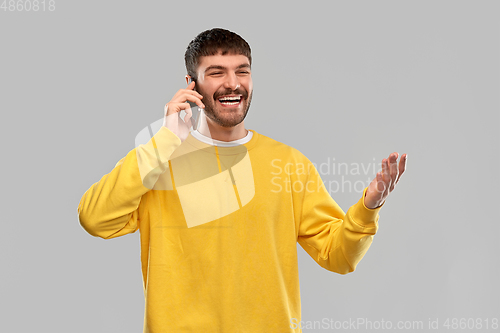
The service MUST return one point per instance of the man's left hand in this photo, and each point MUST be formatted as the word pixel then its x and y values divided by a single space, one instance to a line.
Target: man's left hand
pixel 385 181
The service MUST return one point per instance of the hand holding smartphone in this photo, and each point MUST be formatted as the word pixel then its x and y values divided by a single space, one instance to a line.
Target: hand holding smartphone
pixel 175 111
pixel 195 109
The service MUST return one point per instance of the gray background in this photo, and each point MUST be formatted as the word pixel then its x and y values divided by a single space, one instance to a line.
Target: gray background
pixel 346 80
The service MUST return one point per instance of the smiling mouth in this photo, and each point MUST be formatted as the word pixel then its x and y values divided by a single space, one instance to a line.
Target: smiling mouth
pixel 230 100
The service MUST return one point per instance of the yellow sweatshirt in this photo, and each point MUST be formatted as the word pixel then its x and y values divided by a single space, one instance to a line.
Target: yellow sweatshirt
pixel 219 227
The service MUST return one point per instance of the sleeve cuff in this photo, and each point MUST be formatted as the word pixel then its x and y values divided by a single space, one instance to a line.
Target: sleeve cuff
pixel 166 142
pixel 364 216
pixel 152 157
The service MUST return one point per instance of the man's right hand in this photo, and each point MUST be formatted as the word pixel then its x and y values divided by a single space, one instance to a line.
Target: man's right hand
pixel 172 119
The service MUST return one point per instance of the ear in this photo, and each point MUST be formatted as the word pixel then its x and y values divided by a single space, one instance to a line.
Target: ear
pixel 187 78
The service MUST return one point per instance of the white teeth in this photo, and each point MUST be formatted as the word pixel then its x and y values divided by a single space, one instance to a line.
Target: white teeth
pixel 229 98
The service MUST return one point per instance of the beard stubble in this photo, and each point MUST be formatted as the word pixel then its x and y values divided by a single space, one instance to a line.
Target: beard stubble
pixel 227 118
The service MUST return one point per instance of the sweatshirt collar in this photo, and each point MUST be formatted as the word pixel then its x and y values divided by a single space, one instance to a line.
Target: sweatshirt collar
pixel 251 141
pixel 197 135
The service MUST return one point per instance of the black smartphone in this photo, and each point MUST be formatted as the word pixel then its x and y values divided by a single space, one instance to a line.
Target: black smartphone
pixel 195 109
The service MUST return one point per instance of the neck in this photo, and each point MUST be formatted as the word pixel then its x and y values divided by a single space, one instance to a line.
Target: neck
pixel 212 130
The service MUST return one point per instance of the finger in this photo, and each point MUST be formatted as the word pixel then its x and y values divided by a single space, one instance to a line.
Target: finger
pixel 393 169
pixel 192 96
pixel 189 112
pixel 194 92
pixel 196 100
pixel 188 119
pixel 381 187
pixel 402 166
pixel 184 95
pixel 180 96
pixel 190 88
pixel 189 96
pixel 386 174
pixel 172 108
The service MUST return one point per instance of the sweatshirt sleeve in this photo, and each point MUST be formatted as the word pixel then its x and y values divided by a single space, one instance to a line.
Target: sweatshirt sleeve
pixel 337 241
pixel 110 207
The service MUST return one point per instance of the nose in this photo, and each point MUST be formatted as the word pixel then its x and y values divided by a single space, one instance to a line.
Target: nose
pixel 232 82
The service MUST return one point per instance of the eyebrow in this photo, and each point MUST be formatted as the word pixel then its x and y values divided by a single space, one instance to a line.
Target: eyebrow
pixel 224 68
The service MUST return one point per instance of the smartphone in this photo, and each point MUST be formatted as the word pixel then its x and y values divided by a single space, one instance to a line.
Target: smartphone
pixel 195 109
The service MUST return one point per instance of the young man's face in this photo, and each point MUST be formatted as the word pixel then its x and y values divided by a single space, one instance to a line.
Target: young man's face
pixel 225 81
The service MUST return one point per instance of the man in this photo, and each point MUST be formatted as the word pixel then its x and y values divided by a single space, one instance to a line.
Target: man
pixel 220 209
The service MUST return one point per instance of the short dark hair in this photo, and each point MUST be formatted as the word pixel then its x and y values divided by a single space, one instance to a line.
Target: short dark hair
pixel 212 42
